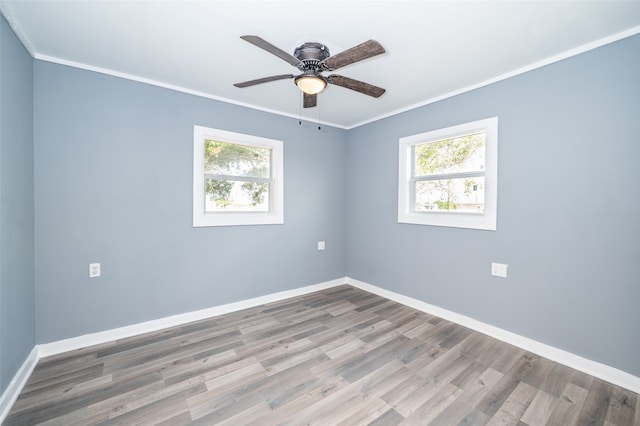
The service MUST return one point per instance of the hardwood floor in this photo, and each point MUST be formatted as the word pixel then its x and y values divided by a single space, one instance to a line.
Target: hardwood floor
pixel 339 356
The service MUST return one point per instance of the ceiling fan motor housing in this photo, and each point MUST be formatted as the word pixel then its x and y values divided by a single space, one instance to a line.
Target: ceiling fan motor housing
pixel 311 55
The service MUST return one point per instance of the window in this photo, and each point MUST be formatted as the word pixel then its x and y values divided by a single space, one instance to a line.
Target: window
pixel 237 179
pixel 448 177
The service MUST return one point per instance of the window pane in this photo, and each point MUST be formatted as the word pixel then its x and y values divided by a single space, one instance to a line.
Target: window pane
pixel 234 196
pixel 461 154
pixel 464 195
pixel 222 158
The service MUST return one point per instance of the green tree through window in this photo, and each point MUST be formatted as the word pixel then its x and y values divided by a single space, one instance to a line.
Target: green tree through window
pixel 236 176
pixel 449 174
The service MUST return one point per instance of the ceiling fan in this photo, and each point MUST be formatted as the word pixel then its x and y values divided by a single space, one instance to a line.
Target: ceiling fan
pixel 314 58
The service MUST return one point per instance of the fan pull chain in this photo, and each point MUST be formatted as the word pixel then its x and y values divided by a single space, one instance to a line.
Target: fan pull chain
pixel 319 128
pixel 300 109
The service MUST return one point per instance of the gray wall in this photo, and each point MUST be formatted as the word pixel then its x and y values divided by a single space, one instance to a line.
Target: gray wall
pixel 568 209
pixel 17 318
pixel 113 184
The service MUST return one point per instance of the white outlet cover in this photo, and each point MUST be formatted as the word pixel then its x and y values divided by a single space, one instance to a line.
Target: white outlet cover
pixel 321 245
pixel 499 269
pixel 94 270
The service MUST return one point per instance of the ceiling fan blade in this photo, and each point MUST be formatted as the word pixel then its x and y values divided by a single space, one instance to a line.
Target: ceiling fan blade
pixel 357 85
pixel 309 101
pixel 263 80
pixel 357 53
pixel 263 44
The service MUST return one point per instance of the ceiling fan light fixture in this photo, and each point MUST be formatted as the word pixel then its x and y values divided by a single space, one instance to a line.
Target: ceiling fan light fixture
pixel 311 84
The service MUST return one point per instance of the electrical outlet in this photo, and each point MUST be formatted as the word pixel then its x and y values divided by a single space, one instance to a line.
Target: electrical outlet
pixel 321 245
pixel 94 270
pixel 499 269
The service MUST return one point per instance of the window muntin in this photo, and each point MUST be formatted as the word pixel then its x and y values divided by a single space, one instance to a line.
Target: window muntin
pixel 237 179
pixel 448 177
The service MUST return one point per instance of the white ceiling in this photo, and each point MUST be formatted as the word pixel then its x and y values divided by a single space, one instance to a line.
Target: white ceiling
pixel 434 49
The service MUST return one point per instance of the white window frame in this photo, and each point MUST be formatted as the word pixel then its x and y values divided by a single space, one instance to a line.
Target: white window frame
pixel 406 209
pixel 275 215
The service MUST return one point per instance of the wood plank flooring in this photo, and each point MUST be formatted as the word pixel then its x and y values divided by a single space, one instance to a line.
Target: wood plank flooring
pixel 341 356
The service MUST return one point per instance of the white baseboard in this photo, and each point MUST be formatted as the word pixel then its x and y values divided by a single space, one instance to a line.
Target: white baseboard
pixel 10 395
pixel 60 346
pixel 596 369
pixel 593 368
pixel 16 385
